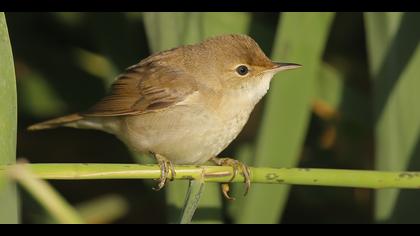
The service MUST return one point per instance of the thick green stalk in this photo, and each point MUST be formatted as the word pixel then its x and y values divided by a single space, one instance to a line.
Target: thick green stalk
pixel 298 176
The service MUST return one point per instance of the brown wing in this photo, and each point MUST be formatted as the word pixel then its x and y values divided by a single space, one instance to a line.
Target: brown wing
pixel 143 88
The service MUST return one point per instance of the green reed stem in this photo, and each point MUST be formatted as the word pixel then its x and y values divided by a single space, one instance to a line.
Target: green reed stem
pixel 297 176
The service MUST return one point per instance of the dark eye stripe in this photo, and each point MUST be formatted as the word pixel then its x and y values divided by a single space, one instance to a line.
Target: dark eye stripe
pixel 242 70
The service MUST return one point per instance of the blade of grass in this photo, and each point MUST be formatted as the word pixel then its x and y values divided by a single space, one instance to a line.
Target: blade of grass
pixel 8 122
pixel 103 210
pixel 59 209
pixel 195 191
pixel 301 38
pixel 219 23
pixel 394 54
pixel 329 86
pixel 406 206
pixel 168 30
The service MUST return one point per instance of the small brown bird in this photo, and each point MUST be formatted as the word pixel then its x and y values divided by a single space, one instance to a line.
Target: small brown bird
pixel 183 105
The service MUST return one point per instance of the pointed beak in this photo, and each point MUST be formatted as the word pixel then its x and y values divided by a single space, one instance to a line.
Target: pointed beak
pixel 282 66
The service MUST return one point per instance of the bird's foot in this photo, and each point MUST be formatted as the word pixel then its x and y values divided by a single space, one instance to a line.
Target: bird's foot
pixel 236 165
pixel 166 166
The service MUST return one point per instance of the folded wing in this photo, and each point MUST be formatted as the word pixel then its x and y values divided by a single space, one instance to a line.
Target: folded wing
pixel 145 87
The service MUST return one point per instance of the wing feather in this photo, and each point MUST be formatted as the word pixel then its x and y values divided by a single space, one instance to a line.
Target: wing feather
pixel 145 87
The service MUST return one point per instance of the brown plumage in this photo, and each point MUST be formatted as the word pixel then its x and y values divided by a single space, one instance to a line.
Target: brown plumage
pixel 143 88
pixel 54 123
pixel 154 83
pixel 186 104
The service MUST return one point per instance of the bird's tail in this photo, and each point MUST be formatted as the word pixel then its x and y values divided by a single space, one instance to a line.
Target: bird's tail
pixel 54 123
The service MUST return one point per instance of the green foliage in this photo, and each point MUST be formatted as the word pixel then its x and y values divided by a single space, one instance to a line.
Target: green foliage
pixel 287 110
pixel 8 122
pixel 394 56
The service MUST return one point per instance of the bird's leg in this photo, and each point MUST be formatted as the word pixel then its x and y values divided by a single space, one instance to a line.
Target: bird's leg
pixel 236 165
pixel 165 165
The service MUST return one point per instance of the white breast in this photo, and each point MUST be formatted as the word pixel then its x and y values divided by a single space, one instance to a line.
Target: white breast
pixel 238 108
pixel 260 88
pixel 250 94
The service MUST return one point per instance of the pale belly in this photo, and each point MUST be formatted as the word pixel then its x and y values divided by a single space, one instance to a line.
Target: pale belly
pixel 183 135
pixel 186 133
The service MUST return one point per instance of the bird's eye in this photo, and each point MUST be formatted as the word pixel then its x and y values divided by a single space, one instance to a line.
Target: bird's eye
pixel 242 70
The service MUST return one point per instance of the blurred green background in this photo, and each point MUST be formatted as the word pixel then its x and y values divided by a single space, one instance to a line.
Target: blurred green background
pixel 353 105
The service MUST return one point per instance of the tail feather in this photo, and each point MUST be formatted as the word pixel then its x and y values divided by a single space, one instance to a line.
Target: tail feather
pixel 54 123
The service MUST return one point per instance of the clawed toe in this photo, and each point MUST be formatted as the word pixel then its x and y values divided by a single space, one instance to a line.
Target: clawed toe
pixel 236 165
pixel 165 166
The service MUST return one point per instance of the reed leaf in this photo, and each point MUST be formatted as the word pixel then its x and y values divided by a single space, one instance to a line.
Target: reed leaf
pixel 394 56
pixel 8 121
pixel 287 109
